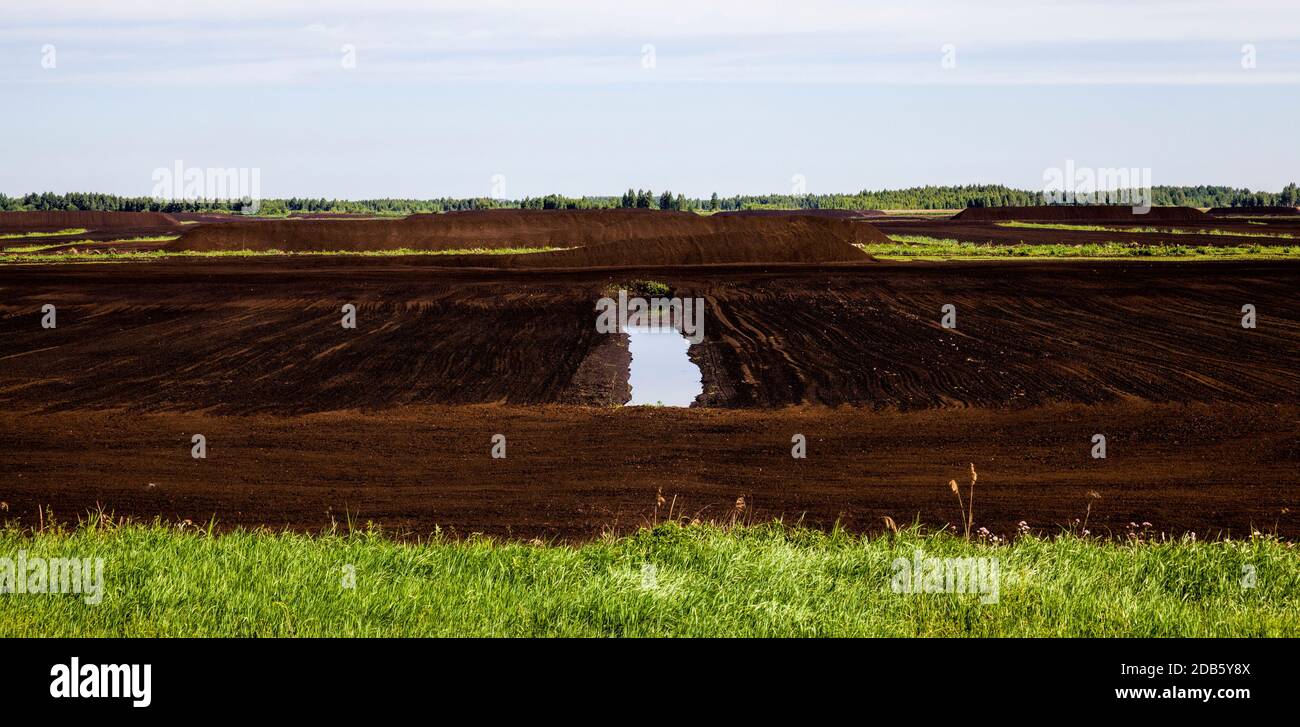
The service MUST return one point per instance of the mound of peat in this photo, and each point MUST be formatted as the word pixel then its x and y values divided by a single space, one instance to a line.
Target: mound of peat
pixel 452 230
pixel 667 232
pixel 53 221
pixel 804 241
pixel 1079 213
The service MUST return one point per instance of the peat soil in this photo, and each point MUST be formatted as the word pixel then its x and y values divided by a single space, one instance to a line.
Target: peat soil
pixel 392 421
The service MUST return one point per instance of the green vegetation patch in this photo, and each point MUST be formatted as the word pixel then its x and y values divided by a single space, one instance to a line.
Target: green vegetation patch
pixel 1145 230
pixel 99 254
pixel 640 288
pixel 672 580
pixel 24 235
pixel 915 247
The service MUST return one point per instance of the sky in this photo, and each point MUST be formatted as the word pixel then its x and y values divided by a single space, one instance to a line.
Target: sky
pixel 397 98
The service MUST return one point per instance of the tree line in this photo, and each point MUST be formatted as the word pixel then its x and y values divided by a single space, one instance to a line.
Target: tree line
pixel 919 198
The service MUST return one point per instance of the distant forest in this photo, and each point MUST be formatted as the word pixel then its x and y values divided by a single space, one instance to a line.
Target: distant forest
pixel 914 198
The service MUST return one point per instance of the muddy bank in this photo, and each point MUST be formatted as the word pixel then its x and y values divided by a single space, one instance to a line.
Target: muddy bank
pixel 494 229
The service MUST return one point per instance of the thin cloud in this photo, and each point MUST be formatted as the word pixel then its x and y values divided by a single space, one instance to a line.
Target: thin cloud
pixel 824 41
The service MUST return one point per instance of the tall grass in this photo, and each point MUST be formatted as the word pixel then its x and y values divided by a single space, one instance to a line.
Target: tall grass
pixel 668 580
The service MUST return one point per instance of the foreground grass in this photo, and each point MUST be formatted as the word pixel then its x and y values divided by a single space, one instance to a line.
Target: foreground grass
pixel 35 256
pixel 669 581
pixel 917 247
pixel 1160 230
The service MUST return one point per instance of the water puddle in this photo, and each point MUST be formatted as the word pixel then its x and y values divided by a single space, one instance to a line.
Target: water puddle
pixel 661 372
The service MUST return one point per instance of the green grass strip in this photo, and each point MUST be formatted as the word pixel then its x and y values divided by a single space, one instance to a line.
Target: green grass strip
pixel 1145 230
pixel 672 580
pixel 22 235
pixel 915 247
pixel 19 256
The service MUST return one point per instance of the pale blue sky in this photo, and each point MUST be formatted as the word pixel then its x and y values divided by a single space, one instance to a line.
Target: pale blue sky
pixel 567 97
